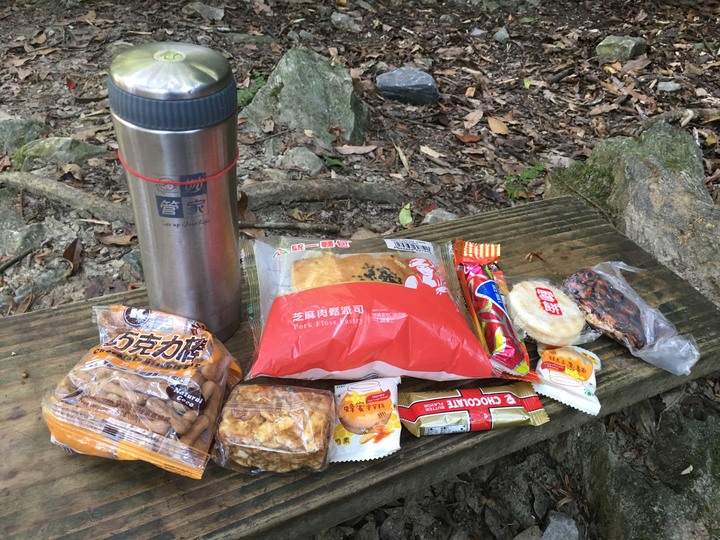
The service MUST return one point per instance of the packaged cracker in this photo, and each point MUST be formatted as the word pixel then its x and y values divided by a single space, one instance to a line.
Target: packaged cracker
pixel 341 309
pixel 545 313
pixel 612 306
pixel 275 428
pixel 151 391
pixel 484 286
pixel 367 425
pixel 470 409
pixel 567 374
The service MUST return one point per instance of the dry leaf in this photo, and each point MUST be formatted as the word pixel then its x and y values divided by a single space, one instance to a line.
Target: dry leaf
pixel 497 126
pixel 25 304
pixel 467 137
pixel 471 119
pixel 74 170
pixel 601 109
pixel 403 158
pixel 72 254
pixel 688 470
pixel 430 152
pixel 347 149
pixel 117 239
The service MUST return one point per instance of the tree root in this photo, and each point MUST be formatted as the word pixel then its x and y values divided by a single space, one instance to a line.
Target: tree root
pixel 685 116
pixel 271 193
pixel 68 195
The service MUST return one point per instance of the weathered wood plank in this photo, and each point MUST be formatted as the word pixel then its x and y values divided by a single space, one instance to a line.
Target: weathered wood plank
pixel 46 493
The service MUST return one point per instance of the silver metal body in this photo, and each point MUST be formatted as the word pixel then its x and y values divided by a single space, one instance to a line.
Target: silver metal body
pixel 186 216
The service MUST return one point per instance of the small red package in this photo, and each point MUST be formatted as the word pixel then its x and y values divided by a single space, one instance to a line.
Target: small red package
pixel 483 284
pixel 341 309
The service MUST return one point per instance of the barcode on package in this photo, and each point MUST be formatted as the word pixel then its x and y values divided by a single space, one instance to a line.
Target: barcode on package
pixel 405 244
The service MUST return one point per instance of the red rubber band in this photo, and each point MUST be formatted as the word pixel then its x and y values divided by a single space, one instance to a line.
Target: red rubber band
pixel 175 183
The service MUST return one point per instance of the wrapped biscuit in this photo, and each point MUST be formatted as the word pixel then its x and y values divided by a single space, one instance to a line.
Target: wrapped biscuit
pixel 151 391
pixel 275 428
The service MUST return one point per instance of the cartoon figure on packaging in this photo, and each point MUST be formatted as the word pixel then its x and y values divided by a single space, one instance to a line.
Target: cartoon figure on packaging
pixel 426 274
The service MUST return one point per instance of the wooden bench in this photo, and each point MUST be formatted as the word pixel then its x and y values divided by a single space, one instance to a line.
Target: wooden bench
pixel 46 493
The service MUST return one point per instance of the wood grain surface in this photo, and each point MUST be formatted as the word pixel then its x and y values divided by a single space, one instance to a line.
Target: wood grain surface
pixel 47 493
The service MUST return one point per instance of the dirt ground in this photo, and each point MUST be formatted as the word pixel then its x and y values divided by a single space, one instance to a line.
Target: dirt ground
pixel 509 112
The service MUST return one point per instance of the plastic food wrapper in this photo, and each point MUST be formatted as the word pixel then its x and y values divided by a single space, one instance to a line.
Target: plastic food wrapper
pixel 470 409
pixel 484 286
pixel 368 425
pixel 275 428
pixel 546 314
pixel 151 391
pixel 341 309
pixel 567 374
pixel 614 308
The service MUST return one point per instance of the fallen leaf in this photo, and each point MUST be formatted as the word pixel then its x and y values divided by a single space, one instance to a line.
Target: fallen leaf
pixel 403 158
pixel 711 139
pixel 497 126
pixel 466 137
pixel 405 217
pixel 74 170
pixel 470 91
pixel 347 149
pixel 73 254
pixel 117 239
pixel 601 109
pixel 430 152
pixel 471 119
pixel 688 470
pixel 25 304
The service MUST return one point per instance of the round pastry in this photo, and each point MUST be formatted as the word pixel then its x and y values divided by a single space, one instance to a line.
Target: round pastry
pixel 545 313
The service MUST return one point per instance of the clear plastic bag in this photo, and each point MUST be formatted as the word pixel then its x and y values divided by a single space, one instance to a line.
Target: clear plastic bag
pixel 275 428
pixel 150 391
pixel 614 308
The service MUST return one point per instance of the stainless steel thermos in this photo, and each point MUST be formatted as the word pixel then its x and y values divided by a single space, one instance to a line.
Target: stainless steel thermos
pixel 174 110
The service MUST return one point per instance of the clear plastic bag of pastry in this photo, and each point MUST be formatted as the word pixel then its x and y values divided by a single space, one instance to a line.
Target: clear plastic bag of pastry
pixel 341 309
pixel 151 391
pixel 275 428
pixel 542 311
pixel 613 307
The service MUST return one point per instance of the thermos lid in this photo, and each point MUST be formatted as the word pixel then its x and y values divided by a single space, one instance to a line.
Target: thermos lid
pixel 171 86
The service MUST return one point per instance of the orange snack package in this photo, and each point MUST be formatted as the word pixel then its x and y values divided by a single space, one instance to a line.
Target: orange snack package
pixel 151 391
pixel 341 309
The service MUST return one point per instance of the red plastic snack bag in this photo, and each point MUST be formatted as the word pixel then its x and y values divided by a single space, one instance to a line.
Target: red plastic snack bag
pixel 484 286
pixel 341 309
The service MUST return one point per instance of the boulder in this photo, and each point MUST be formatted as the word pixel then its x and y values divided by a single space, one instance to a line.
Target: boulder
pixel 54 150
pixel 16 132
pixel 307 91
pixel 620 48
pixel 408 85
pixel 653 189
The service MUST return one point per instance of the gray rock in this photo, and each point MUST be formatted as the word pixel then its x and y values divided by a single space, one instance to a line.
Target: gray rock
pixel 54 276
pixel 669 86
pixel 209 13
pixel 408 85
pixel 620 48
pixel 478 32
pixel 134 261
pixel 17 236
pixel 16 132
pixel 307 91
pixel 560 527
pixel 531 533
pixel 438 215
pixel 653 190
pixel 344 22
pixel 56 151
pixel 301 159
pixel 502 36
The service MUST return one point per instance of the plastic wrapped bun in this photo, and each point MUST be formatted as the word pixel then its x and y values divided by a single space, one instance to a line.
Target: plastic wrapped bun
pixel 275 428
